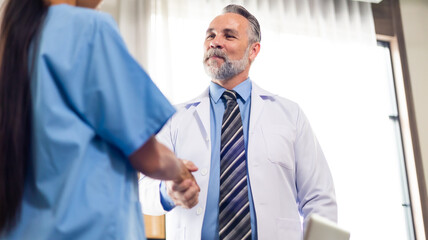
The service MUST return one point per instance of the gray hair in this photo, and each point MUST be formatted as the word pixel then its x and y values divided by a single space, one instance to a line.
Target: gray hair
pixel 255 33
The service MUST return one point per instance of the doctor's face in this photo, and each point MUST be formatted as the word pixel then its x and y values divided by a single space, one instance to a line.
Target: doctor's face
pixel 226 46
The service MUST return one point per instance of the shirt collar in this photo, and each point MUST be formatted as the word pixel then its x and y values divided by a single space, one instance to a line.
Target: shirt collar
pixel 243 89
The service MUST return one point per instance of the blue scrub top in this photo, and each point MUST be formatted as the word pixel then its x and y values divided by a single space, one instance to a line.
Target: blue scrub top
pixel 93 106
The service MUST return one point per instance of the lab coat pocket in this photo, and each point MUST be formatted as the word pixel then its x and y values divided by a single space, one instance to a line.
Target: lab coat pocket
pixel 288 229
pixel 279 143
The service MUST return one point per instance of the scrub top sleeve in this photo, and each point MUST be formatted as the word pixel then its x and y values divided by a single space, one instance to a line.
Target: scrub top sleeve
pixel 117 98
pixel 131 108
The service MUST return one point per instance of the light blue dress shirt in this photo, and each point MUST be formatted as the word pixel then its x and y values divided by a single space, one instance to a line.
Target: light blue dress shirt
pixel 210 225
pixel 93 106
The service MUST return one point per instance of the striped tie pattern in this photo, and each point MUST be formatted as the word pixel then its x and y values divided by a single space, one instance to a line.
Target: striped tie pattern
pixel 234 210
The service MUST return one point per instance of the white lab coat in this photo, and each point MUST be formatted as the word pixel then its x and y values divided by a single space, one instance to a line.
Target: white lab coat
pixel 287 169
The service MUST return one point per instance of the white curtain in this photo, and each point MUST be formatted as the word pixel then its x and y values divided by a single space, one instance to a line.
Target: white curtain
pixel 170 32
pixel 319 53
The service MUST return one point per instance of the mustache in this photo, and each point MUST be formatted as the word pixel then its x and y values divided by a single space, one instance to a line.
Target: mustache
pixel 215 52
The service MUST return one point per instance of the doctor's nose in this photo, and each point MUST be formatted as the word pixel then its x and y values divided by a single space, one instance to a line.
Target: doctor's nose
pixel 216 44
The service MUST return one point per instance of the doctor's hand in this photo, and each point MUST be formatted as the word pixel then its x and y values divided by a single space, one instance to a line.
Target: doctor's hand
pixel 185 191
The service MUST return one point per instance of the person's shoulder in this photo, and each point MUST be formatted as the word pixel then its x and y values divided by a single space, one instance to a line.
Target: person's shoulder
pixel 279 106
pixel 186 109
pixel 81 17
pixel 98 19
pixel 68 29
pixel 204 96
pixel 274 98
pixel 287 102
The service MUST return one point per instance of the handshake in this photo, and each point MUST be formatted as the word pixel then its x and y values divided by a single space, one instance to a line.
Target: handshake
pixel 185 191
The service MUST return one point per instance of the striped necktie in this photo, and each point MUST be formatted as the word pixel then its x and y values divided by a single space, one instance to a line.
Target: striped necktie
pixel 234 210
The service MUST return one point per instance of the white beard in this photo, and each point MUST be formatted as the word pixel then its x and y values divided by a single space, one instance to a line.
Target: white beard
pixel 228 69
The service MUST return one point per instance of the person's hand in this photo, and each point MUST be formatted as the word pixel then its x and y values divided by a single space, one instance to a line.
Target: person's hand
pixel 184 191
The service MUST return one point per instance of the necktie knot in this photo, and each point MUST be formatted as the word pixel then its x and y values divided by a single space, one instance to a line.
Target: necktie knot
pixel 229 95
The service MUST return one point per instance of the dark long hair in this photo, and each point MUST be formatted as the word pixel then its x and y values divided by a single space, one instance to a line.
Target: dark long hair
pixel 20 24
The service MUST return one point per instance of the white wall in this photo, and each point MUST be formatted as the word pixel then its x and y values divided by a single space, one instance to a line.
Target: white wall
pixel 414 15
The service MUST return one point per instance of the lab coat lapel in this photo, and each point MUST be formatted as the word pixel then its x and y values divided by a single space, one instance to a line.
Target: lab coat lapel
pixel 258 96
pixel 202 115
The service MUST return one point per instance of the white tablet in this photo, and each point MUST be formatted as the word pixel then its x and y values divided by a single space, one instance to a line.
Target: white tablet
pixel 320 228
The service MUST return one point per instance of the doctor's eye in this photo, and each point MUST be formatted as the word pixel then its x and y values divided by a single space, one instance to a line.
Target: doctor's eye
pixel 210 36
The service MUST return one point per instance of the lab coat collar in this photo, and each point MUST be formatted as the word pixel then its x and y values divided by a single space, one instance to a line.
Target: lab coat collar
pixel 201 104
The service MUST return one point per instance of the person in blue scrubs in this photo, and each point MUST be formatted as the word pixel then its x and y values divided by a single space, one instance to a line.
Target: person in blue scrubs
pixel 78 117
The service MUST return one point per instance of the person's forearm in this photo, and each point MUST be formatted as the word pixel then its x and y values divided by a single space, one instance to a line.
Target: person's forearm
pixel 169 166
pixel 157 161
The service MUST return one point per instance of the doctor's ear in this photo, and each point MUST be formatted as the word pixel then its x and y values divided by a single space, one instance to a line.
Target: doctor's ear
pixel 254 51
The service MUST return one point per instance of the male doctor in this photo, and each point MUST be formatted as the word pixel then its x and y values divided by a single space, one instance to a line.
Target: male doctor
pixel 261 169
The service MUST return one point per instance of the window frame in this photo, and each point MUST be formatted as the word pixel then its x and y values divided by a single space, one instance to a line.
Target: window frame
pixel 388 27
